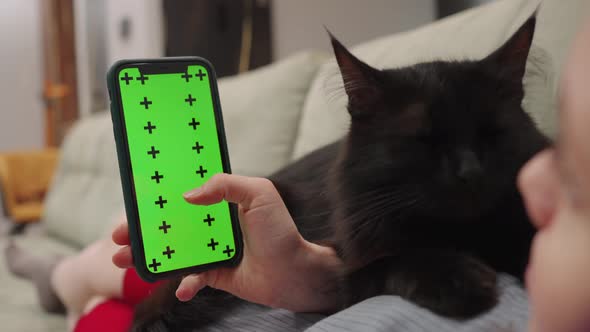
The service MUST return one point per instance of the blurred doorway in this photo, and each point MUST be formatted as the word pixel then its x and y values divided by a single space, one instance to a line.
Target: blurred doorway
pixel 21 122
pixel 234 35
pixel 59 69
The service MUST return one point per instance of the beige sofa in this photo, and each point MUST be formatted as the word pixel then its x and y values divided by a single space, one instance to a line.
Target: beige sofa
pixel 273 116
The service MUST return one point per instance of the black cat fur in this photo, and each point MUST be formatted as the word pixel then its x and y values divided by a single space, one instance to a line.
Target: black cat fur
pixel 420 198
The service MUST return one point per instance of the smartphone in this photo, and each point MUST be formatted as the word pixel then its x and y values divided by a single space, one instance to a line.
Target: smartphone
pixel 170 139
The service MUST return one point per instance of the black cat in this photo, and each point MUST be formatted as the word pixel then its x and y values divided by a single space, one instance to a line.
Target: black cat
pixel 420 197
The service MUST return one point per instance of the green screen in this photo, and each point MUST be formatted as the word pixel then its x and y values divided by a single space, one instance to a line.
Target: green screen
pixel 174 147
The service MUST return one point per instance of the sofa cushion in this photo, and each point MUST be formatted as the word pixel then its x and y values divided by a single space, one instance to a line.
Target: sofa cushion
pixel 86 196
pixel 469 35
pixel 261 111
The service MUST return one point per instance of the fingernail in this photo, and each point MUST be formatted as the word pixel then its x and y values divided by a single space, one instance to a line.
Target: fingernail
pixel 193 193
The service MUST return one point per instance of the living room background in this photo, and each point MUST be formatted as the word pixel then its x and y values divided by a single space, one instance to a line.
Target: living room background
pixel 107 30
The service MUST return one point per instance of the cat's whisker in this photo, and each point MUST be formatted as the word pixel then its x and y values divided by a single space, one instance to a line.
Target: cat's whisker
pixel 333 86
pixel 383 203
pixel 381 209
pixel 319 214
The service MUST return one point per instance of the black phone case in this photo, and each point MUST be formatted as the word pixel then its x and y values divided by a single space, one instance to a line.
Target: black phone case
pixel 131 208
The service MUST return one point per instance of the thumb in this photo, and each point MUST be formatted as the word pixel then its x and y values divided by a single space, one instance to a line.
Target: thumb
pixel 237 189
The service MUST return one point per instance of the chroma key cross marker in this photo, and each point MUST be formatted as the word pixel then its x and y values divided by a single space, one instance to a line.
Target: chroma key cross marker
pixel 170 139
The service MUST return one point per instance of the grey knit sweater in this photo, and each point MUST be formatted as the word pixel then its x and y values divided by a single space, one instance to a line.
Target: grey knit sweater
pixel 384 313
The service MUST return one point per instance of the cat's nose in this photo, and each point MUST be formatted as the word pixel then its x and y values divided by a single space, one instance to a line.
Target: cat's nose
pixel 469 167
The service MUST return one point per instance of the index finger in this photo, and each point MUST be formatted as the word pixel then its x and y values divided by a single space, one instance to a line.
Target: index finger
pixel 248 192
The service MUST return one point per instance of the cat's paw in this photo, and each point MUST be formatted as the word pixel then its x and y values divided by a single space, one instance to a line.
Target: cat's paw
pixel 449 284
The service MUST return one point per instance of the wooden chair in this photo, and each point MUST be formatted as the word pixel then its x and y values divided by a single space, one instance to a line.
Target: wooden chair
pixel 25 177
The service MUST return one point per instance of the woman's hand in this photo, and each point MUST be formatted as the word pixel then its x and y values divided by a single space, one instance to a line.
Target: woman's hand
pixel 279 268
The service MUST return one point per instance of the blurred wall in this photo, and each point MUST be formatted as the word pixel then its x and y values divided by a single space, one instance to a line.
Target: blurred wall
pixel 21 78
pixel 300 24
pixel 109 30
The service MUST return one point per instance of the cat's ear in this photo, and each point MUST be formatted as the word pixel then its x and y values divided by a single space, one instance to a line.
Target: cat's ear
pixel 360 80
pixel 512 56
